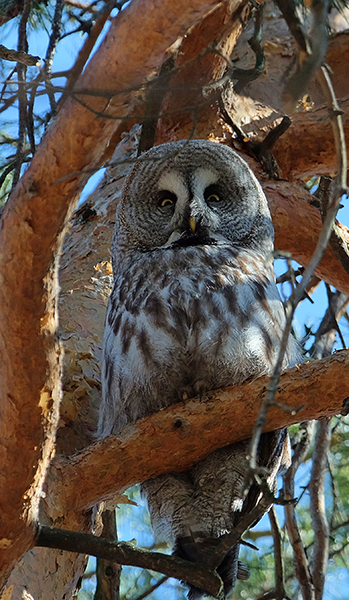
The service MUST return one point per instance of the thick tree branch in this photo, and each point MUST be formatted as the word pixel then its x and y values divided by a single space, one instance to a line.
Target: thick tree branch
pixel 33 218
pixel 179 436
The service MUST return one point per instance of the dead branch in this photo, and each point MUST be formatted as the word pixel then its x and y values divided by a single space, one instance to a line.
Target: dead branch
pixel 19 56
pixel 152 588
pixel 300 557
pixel 278 593
pixel 317 506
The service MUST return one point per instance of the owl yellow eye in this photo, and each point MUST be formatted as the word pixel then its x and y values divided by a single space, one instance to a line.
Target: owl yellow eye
pixel 166 202
pixel 213 198
pixel 213 194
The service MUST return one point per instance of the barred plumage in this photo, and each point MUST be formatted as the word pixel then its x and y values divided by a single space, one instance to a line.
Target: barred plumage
pixel 194 307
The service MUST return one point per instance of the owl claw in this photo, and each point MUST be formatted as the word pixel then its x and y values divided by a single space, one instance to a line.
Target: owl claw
pixel 198 550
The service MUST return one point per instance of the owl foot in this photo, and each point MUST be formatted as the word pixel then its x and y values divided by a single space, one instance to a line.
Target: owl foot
pixel 196 550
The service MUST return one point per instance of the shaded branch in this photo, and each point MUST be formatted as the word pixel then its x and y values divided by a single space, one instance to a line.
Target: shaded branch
pixel 154 99
pixel 317 506
pixel 19 56
pixel 108 571
pixel 229 540
pixel 278 593
pixel 300 557
pixel 243 76
pixel 126 554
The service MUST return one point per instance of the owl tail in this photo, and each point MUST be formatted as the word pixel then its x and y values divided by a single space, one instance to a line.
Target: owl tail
pixel 229 570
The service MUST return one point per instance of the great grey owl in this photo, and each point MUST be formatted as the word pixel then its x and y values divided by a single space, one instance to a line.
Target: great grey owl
pixel 194 307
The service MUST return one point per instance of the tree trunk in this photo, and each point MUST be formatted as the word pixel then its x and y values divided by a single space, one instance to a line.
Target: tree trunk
pixel 38 210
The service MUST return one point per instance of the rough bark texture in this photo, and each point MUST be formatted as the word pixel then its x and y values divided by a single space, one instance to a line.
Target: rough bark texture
pixel 133 50
pixel 29 369
pixel 178 436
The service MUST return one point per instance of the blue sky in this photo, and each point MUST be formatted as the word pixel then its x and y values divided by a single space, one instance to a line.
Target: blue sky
pixel 337 583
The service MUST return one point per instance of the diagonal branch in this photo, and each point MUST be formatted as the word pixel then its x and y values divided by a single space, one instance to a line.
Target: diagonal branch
pixel 177 437
pixel 125 554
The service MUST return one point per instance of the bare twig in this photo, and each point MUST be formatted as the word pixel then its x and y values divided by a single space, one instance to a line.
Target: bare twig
pixel 152 588
pixel 125 554
pixel 279 592
pixel 22 95
pixel 19 56
pixel 317 506
pixel 54 38
pixel 325 334
pixel 300 558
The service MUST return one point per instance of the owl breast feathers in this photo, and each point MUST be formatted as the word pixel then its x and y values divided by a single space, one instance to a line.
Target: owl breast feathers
pixel 194 307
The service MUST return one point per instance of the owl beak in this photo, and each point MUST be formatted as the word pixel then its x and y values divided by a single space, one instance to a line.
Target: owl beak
pixel 192 224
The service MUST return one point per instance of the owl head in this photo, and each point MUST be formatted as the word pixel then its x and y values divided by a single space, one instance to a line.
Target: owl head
pixel 191 193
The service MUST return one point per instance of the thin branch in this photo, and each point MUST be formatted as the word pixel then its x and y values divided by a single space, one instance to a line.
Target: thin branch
pixel 19 56
pixel 325 334
pixel 317 506
pixel 278 593
pixel 300 558
pixel 339 188
pixel 125 554
pixel 152 588
pixel 231 539
pixel 22 95
pixel 54 38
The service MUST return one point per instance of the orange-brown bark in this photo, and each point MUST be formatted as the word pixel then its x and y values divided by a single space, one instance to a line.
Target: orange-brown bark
pixel 177 437
pixel 297 227
pixel 33 217
pixel 29 370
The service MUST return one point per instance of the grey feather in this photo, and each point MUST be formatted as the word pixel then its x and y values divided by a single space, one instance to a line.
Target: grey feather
pixel 194 307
